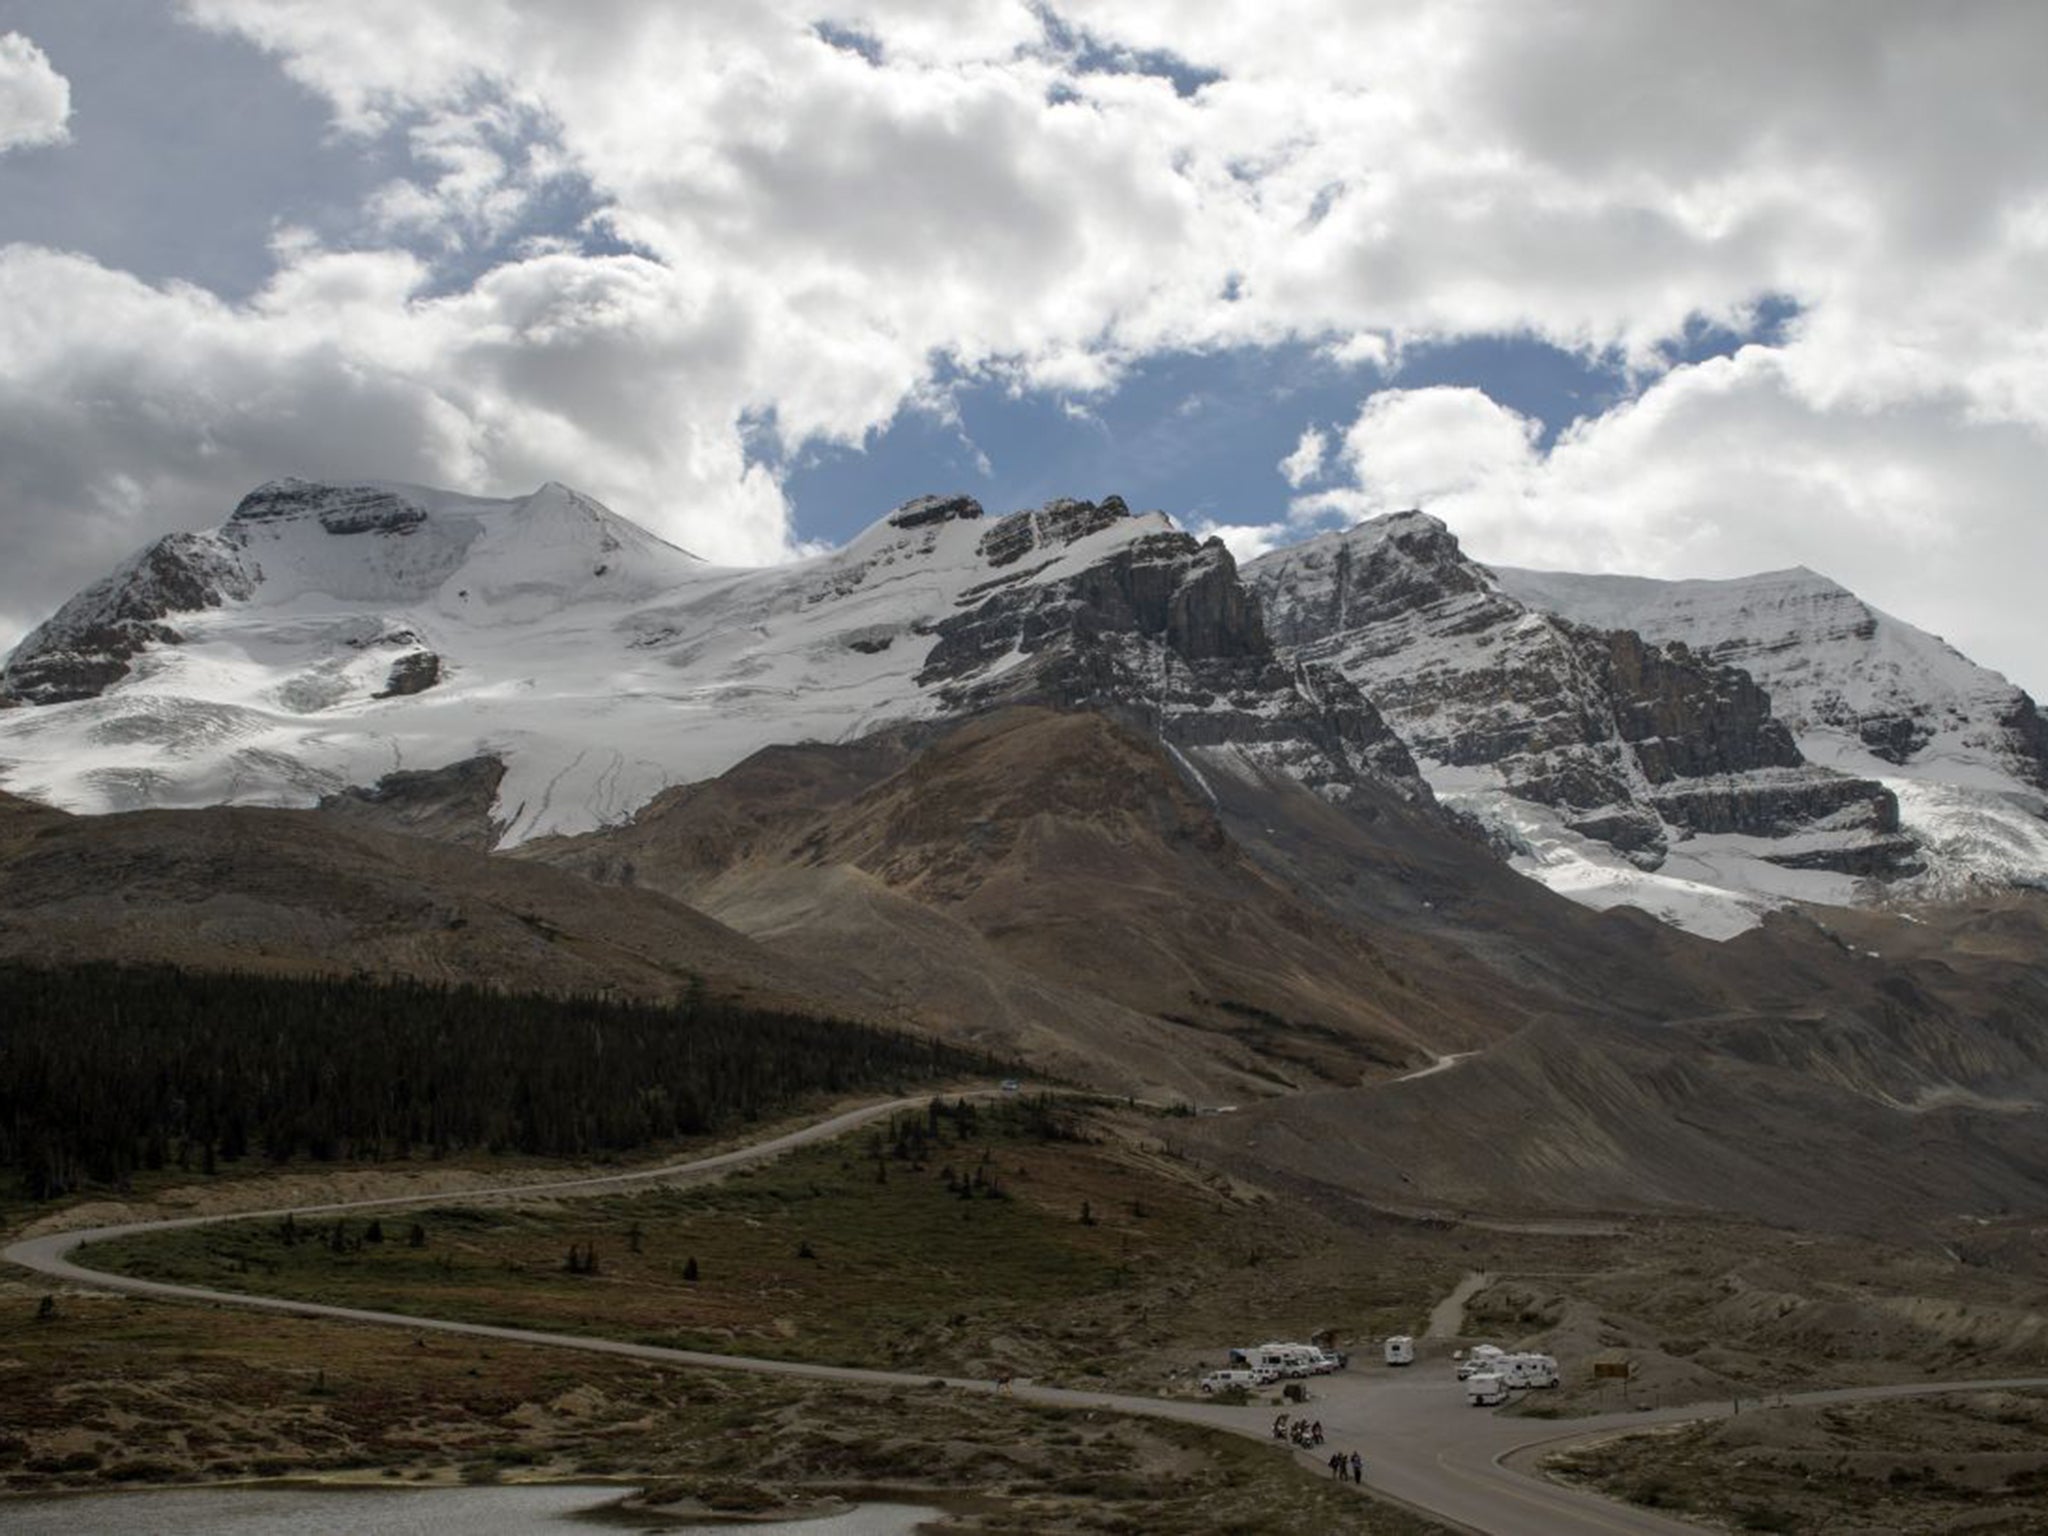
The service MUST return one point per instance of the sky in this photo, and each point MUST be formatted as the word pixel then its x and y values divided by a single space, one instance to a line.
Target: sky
pixel 1660 288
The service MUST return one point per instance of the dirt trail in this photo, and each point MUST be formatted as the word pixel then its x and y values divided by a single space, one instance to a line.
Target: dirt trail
pixel 1447 1317
pixel 1443 1064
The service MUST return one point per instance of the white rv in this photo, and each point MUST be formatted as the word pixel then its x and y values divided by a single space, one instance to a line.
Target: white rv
pixel 1400 1350
pixel 1485 1389
pixel 1527 1370
pixel 1480 1359
pixel 1292 1360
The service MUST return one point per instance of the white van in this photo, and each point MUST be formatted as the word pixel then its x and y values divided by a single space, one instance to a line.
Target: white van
pixel 1485 1389
pixel 1291 1360
pixel 1224 1381
pixel 1481 1358
pixel 1527 1370
pixel 1400 1350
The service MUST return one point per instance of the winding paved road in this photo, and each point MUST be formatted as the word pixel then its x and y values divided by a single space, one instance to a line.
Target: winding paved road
pixel 1423 1446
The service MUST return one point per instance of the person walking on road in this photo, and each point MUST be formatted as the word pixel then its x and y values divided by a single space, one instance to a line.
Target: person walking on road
pixel 1357 1466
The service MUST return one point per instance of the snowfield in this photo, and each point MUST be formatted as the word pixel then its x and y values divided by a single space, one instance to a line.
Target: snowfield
pixel 600 663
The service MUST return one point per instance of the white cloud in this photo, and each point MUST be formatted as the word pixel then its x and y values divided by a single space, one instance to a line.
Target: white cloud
pixel 1361 349
pixel 35 101
pixel 1451 450
pixel 174 400
pixel 1305 463
pixel 1924 508
pixel 1245 541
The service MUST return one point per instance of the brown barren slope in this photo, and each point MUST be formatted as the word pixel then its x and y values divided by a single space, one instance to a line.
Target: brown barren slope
pixel 296 892
pixel 1050 881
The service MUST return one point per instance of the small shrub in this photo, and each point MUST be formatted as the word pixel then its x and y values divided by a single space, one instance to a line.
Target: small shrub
pixel 1763 1519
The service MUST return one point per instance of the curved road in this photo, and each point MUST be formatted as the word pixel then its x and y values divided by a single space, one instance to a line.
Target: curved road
pixel 1422 1445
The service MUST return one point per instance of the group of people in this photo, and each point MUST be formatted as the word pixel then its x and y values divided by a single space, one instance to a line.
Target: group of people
pixel 1300 1431
pixel 1306 1433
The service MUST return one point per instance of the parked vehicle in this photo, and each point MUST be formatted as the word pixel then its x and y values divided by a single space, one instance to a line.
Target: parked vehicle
pixel 1481 1358
pixel 1527 1370
pixel 1290 1360
pixel 1400 1350
pixel 1224 1381
pixel 1485 1389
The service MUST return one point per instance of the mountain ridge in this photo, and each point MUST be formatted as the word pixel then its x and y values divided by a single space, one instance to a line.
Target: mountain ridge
pixel 1615 759
pixel 325 642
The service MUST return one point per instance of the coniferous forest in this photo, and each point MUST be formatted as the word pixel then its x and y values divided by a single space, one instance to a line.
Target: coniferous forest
pixel 107 1069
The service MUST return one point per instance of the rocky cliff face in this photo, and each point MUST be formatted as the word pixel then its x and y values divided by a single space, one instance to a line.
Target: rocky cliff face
pixel 1160 631
pixel 1633 743
pixel 451 804
pixel 1963 751
pixel 89 644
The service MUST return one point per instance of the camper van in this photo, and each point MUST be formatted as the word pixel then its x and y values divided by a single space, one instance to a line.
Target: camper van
pixel 1224 1381
pixel 1485 1389
pixel 1481 1358
pixel 1291 1360
pixel 1527 1370
pixel 1400 1350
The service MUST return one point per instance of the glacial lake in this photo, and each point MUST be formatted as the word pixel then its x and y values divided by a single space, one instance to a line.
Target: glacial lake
pixel 532 1511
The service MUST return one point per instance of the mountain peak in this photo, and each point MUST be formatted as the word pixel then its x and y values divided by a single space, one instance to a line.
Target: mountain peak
pixel 921 510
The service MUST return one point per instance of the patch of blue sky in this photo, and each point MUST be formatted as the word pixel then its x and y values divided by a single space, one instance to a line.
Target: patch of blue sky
pixel 1770 321
pixel 159 181
pixel 1088 55
pixel 558 211
pixel 1199 434
pixel 849 39
pixel 159 178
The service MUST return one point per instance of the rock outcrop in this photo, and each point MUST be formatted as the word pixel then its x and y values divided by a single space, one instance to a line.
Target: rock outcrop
pixel 1962 749
pixel 341 510
pixel 1633 743
pixel 451 804
pixel 88 644
pixel 1162 631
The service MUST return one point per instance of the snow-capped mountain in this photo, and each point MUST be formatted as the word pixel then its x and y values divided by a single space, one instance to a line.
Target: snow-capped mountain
pixel 329 635
pixel 1705 750
pixel 1963 750
pixel 1613 764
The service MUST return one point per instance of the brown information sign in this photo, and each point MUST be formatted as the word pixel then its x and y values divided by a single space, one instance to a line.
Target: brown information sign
pixel 1603 1368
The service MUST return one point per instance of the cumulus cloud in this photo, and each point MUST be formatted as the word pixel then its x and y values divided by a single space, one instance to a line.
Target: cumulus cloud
pixel 805 213
pixel 1925 508
pixel 1245 541
pixel 1305 463
pixel 35 101
pixel 342 366
pixel 1453 450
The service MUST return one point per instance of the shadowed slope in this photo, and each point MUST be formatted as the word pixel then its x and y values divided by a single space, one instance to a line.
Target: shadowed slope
pixel 296 893
pixel 1027 860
